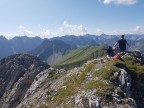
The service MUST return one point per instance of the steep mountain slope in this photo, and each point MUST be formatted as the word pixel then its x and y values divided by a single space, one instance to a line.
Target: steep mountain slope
pixel 17 73
pixel 77 57
pixel 52 51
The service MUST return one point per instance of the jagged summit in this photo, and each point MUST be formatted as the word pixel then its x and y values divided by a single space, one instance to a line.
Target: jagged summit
pixel 17 73
pixel 24 60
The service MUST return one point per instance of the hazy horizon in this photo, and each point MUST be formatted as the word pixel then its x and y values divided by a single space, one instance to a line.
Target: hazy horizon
pixel 69 35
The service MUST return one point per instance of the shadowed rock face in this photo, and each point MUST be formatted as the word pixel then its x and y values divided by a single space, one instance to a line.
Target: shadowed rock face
pixel 17 73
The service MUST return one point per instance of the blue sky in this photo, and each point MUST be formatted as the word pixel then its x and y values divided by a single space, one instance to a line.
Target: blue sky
pixel 48 18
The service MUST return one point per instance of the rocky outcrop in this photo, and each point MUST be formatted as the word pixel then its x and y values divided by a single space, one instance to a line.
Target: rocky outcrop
pixel 17 73
pixel 90 98
pixel 38 92
pixel 123 80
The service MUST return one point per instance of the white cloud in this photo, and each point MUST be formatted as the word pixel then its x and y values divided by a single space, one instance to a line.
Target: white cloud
pixel 122 2
pixel 138 30
pixel 46 33
pixel 61 29
pixel 25 31
pixel 73 29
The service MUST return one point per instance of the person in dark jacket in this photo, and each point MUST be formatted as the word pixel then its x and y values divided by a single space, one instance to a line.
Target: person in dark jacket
pixel 109 51
pixel 122 44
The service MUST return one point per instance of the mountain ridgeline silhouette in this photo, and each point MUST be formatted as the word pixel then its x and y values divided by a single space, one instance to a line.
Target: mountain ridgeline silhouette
pixel 19 44
pixel 49 49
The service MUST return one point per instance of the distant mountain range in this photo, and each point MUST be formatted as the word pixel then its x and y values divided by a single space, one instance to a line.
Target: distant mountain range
pixel 56 49
pixel 53 50
pixel 93 40
pixel 16 45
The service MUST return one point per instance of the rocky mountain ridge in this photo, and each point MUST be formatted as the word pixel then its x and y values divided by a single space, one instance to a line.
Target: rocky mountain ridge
pixel 26 82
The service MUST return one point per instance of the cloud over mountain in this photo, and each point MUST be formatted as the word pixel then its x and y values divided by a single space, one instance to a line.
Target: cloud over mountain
pixel 138 29
pixel 46 33
pixel 25 31
pixel 73 29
